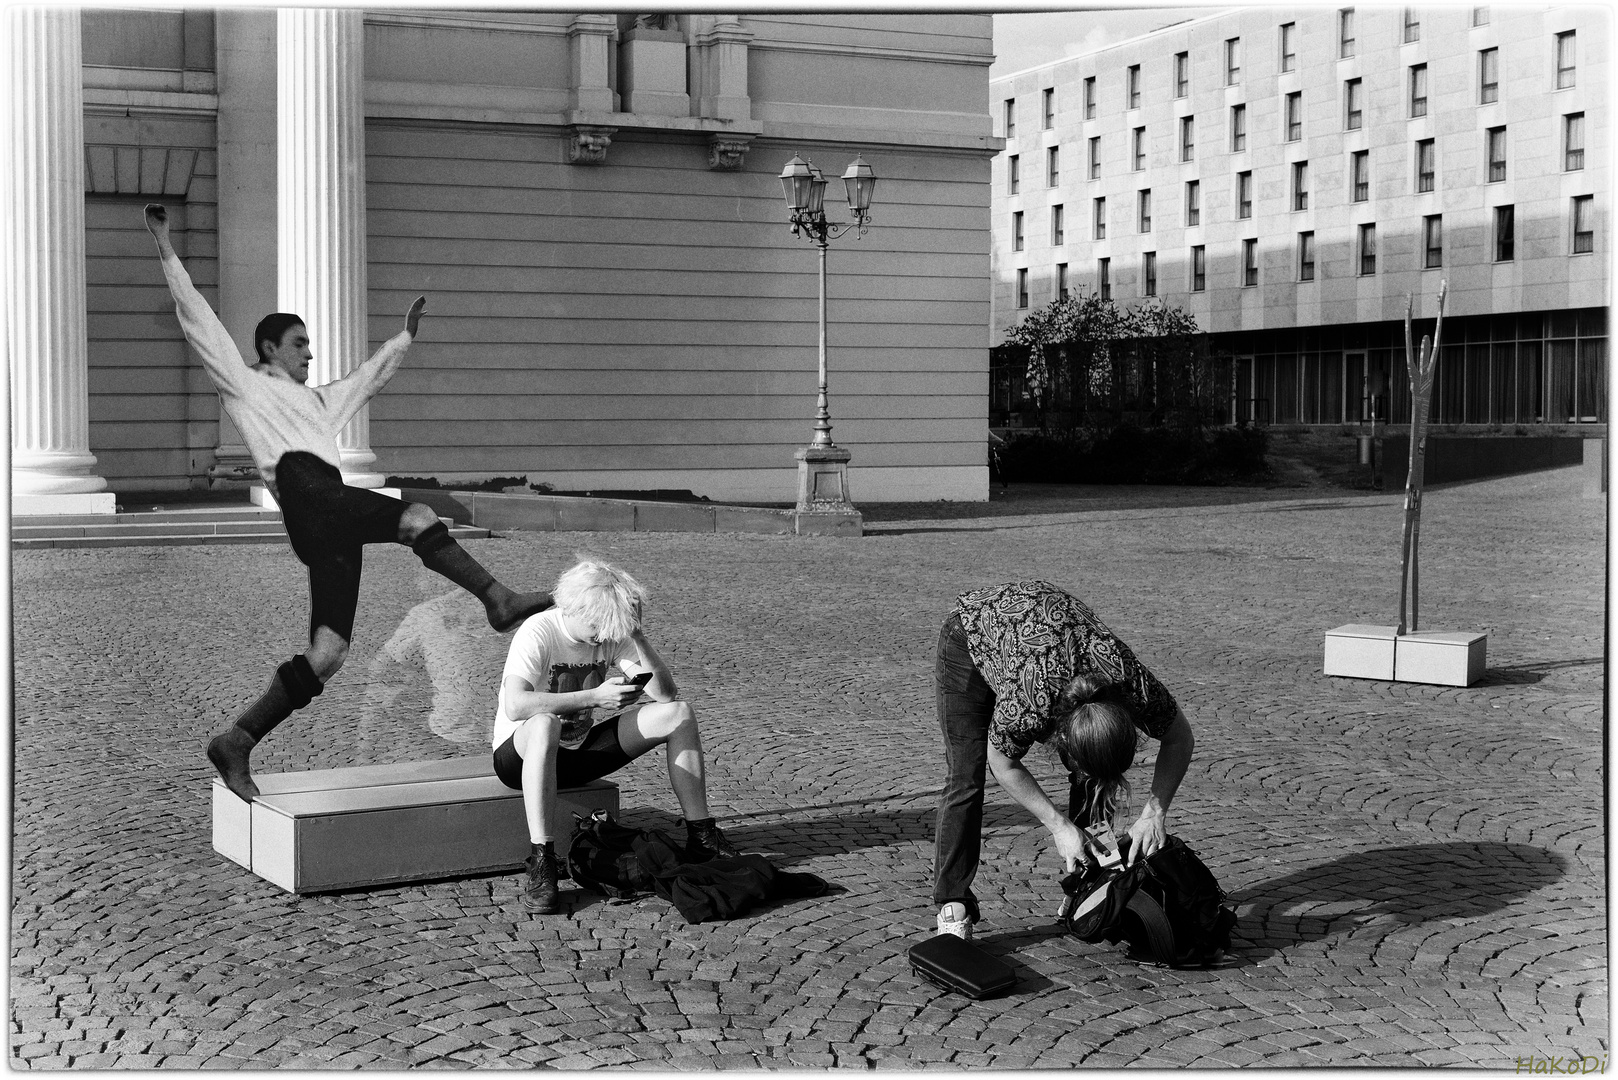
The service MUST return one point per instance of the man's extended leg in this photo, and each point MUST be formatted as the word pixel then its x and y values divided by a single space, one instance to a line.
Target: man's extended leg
pixel 295 684
pixel 436 548
pixel 538 740
pixel 674 725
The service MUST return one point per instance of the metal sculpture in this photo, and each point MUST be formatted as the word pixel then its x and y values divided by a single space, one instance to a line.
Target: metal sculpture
pixel 1421 368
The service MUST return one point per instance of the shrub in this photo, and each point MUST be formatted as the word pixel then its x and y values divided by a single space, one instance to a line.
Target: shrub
pixel 1134 455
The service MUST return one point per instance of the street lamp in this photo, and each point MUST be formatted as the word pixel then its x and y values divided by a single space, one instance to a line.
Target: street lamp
pixel 822 472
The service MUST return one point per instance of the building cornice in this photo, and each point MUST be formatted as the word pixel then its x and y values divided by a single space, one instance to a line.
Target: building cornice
pixel 155 104
pixel 924 56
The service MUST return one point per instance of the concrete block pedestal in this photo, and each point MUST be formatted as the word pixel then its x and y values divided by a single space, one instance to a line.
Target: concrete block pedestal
pixel 1438 658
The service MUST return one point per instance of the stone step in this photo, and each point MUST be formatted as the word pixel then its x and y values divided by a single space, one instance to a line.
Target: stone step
pixel 132 530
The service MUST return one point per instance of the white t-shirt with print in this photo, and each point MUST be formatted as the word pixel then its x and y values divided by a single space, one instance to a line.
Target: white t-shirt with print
pixel 555 662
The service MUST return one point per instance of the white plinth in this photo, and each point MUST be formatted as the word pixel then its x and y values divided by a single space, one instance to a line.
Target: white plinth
pixel 259 495
pixel 376 824
pixel 1358 651
pixel 95 502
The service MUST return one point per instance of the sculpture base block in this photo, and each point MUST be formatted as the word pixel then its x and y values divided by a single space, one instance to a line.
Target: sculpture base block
pixel 1437 658
pixel 259 495
pixel 94 502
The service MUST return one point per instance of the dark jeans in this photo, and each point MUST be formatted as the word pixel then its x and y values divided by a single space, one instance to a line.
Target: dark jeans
pixel 965 704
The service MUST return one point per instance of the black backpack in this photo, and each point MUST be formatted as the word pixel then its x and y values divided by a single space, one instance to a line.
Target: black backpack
pixel 1168 907
pixel 601 857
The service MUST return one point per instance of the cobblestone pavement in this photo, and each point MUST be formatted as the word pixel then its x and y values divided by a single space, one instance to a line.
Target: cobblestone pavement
pixel 1420 870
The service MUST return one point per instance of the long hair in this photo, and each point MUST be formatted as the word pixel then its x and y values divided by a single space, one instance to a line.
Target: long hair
pixel 1096 739
pixel 600 594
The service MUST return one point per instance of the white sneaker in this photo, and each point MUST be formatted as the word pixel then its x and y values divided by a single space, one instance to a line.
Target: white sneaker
pixel 952 920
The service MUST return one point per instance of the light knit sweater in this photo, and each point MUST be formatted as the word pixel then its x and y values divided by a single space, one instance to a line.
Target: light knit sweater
pixel 274 414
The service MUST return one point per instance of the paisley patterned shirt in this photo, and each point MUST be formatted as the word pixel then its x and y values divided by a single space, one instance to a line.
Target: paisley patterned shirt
pixel 1028 639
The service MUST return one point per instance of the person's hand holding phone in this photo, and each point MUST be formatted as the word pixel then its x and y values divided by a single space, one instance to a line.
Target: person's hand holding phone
pixel 617 692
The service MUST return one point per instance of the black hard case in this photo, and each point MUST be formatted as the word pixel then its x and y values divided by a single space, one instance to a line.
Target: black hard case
pixel 958 965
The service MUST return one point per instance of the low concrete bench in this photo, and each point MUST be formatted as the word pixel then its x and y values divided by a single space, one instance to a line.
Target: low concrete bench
pixel 374 824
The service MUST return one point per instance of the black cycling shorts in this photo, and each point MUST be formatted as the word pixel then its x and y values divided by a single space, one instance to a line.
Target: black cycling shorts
pixel 600 755
pixel 329 523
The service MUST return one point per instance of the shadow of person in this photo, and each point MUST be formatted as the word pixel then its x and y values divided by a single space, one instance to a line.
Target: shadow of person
pixel 1404 886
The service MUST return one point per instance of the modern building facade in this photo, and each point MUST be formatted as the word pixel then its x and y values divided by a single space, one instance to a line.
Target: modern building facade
pixel 590 202
pixel 1290 176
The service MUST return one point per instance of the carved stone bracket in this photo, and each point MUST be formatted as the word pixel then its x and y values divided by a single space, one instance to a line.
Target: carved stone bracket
pixel 589 143
pixel 726 151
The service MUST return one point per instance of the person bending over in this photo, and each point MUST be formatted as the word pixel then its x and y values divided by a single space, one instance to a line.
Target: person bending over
pixel 1025 662
pixel 291 430
pixel 562 723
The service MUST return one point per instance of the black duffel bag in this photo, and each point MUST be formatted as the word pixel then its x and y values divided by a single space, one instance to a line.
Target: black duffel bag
pixel 1168 907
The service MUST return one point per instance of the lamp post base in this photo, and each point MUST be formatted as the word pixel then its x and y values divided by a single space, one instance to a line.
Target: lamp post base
pixel 823 480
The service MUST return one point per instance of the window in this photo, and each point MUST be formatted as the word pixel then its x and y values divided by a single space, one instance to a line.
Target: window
pixel 1573 141
pixel 1505 228
pixel 1011 117
pixel 1354 99
pixel 1188 138
pixel 1050 107
pixel 1345 32
pixel 1140 149
pixel 1238 128
pixel 1143 204
pixel 1090 98
pixel 1148 273
pixel 1488 76
pixel 1418 90
pixel 1016 231
pixel 1412 25
pixel 1199 268
pixel 1100 219
pixel 1104 278
pixel 1432 231
pixel 1289 55
pixel 1233 60
pixel 1360 175
pixel 1424 165
pixel 1480 16
pixel 1058 232
pixel 1566 60
pixel 1367 249
pixel 1193 203
pixel 1244 195
pixel 1095 156
pixel 1013 173
pixel 1306 256
pixel 1497 154
pixel 1300 185
pixel 1134 86
pixel 1295 116
pixel 1249 263
pixel 1053 165
pixel 1182 74
pixel 1584 236
pixel 1022 288
pixel 1061 281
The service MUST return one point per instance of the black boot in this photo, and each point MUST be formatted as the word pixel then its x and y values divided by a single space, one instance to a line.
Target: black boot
pixel 704 841
pixel 540 894
pixel 439 552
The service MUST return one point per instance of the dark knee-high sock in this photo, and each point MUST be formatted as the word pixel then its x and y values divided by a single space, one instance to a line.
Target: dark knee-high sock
pixel 292 687
pixel 439 552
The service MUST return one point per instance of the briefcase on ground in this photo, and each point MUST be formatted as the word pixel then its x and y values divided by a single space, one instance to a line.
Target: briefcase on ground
pixel 948 962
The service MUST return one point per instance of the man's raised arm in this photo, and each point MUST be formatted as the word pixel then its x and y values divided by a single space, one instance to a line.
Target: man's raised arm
pixel 367 380
pixel 201 326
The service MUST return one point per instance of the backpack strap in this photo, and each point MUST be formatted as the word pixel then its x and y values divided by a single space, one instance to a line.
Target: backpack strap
pixel 1159 934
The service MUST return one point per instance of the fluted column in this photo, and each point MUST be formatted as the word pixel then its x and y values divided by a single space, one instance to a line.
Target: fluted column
pixel 320 59
pixel 52 469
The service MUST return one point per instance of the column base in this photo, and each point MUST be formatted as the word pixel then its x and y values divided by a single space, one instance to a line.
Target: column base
pixel 823 480
pixel 94 502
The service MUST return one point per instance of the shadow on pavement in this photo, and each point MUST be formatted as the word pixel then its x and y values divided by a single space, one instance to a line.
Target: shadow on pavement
pixel 1414 884
pixel 1533 672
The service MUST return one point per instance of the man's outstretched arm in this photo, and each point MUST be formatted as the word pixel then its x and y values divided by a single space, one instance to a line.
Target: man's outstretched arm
pixel 367 380
pixel 201 326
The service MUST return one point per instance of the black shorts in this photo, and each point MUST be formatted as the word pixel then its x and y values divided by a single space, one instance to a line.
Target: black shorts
pixel 329 523
pixel 600 755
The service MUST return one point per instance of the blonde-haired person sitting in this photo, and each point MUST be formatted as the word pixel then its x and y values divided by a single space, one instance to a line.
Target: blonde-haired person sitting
pixel 1025 662
pixel 562 722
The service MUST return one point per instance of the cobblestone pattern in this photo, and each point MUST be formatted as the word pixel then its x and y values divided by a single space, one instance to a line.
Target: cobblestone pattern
pixel 1420 870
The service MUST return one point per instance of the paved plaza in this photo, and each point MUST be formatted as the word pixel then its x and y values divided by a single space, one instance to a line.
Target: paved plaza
pixel 1420 871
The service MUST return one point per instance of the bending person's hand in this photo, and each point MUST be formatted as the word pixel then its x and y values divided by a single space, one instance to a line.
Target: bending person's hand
pixel 1069 841
pixel 1147 835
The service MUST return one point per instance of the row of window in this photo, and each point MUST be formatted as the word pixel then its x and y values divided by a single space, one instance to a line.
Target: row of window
pixel 1566 72
pixel 1432 253
pixel 1425 161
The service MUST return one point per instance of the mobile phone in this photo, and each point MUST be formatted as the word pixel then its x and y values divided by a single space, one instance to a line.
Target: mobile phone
pixel 640 680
